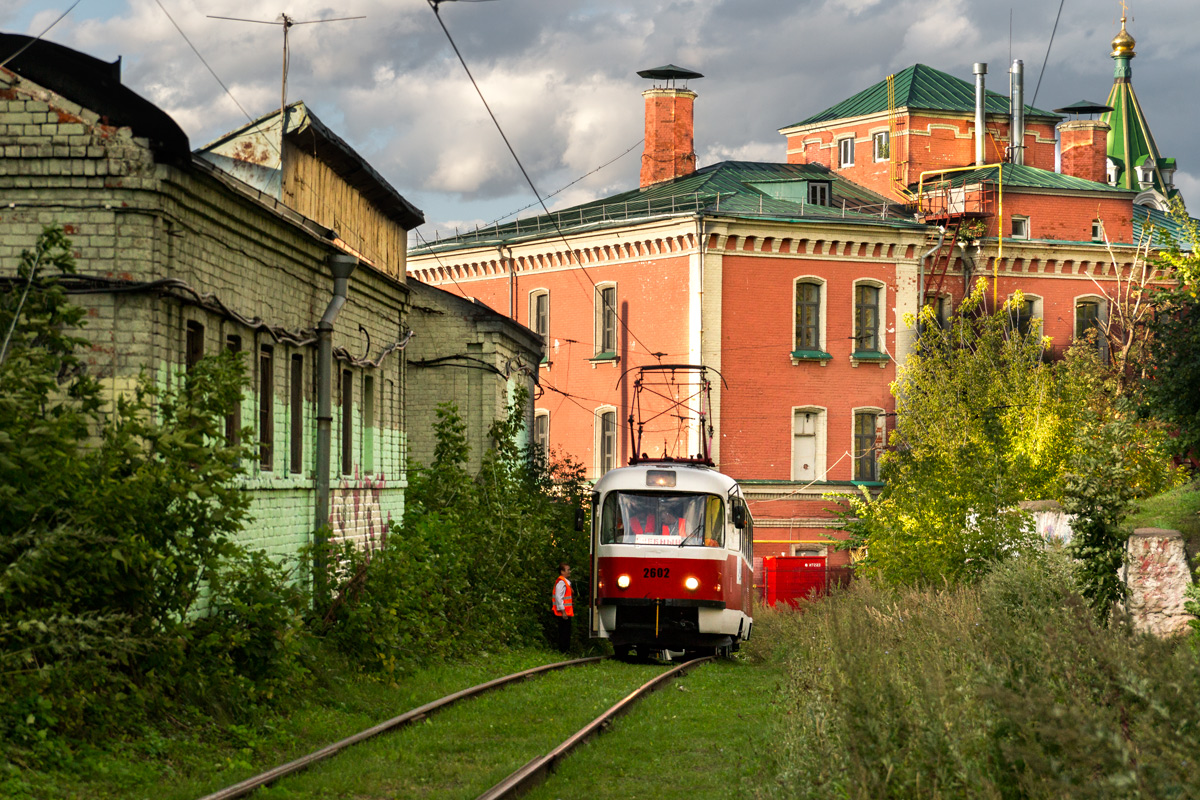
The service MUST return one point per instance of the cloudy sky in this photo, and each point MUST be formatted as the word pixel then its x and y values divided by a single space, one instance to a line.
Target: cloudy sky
pixel 560 75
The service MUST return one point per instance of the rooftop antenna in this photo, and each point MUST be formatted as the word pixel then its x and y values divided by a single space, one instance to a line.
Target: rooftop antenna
pixel 286 22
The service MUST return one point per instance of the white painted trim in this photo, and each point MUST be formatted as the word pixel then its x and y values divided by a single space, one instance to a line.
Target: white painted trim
pixel 821 457
pixel 823 310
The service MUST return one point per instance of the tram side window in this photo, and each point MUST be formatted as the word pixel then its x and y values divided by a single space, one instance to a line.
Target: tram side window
pixel 714 535
pixel 611 529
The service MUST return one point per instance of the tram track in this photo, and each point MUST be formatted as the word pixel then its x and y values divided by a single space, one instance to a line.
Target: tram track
pixel 518 782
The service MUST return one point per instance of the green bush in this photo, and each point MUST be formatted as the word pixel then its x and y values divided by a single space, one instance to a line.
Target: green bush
pixel 473 561
pixel 1008 688
pixel 112 524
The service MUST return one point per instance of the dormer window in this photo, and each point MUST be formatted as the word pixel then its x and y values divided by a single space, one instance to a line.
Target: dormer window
pixel 1145 175
pixel 1114 172
pixel 818 193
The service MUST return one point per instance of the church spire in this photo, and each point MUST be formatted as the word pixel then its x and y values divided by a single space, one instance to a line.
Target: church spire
pixel 1134 161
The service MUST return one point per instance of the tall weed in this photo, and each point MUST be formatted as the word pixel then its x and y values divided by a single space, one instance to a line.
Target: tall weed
pixel 1007 689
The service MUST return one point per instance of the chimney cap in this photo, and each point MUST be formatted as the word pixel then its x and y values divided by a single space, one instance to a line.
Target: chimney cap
pixel 1084 107
pixel 669 72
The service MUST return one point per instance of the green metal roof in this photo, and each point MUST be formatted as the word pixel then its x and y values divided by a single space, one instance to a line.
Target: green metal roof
pixel 1145 217
pixel 738 189
pixel 919 87
pixel 1130 142
pixel 1026 177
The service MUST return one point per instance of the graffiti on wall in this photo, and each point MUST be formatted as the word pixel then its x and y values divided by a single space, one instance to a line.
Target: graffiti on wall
pixel 356 510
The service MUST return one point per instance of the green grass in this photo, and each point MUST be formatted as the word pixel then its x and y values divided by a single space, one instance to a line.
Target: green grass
pixel 466 749
pixel 1177 509
pixel 186 761
pixel 710 734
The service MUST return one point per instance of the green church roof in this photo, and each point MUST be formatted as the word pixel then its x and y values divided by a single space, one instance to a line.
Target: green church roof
pixel 739 189
pixel 1130 142
pixel 919 87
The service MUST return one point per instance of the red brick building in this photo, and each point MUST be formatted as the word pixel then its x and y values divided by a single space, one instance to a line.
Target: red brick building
pixel 794 280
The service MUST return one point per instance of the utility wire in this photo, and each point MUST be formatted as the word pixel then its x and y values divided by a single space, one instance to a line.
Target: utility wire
pixel 40 35
pixel 434 5
pixel 1047 58
pixel 569 185
pixel 202 61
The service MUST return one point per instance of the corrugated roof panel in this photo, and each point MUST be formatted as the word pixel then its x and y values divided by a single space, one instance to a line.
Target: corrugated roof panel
pixel 918 87
pixel 725 189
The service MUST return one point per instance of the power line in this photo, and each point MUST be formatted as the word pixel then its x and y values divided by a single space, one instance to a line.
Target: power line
pixel 568 186
pixel 30 43
pixel 434 5
pixel 1033 102
pixel 202 61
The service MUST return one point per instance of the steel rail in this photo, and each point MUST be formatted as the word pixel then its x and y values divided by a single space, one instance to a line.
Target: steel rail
pixel 536 770
pixel 417 714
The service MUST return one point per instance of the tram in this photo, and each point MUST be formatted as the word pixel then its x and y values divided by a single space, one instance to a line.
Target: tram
pixel 671 545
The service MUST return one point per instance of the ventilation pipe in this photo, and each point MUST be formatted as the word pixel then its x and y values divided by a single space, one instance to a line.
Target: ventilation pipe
pixel 1016 133
pixel 980 70
pixel 342 267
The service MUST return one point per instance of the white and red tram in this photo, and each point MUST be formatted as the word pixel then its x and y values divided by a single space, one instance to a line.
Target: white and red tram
pixel 672 545
pixel 672 563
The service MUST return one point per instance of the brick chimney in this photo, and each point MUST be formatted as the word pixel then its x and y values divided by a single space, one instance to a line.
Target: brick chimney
pixel 669 151
pixel 1084 149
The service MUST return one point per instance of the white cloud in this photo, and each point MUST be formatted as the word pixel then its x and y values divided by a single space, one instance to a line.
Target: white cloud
pixel 561 76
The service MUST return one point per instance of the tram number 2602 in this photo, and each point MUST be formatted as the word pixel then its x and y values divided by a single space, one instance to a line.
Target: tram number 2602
pixel 656 572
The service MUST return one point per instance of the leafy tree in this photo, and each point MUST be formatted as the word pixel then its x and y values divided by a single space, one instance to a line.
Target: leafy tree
pixel 472 563
pixel 112 522
pixel 983 422
pixel 1173 385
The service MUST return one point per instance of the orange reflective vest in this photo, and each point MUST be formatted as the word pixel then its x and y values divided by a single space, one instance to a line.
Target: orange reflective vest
pixel 568 609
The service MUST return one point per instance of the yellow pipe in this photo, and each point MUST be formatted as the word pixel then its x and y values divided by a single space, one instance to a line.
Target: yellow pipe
pixel 999 217
pixel 791 541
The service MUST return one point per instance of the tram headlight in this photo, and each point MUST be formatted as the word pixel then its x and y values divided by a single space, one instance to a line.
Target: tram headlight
pixel 691 583
pixel 623 581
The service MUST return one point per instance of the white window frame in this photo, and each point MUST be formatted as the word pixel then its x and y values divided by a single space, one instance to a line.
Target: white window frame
pixel 884 138
pixel 822 286
pixel 821 432
pixel 1025 222
pixel 822 190
pixel 845 146
pixel 1037 311
pixel 534 295
pixel 543 444
pixel 882 328
pixel 880 436
pixel 599 440
pixel 600 310
pixel 1097 230
pixel 1101 318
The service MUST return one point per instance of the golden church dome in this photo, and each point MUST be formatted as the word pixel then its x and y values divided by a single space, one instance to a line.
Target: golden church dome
pixel 1123 43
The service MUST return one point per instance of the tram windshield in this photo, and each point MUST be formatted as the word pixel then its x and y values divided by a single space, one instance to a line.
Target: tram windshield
pixel 662 518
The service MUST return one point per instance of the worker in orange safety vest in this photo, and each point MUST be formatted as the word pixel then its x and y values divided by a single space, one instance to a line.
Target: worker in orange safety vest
pixel 563 608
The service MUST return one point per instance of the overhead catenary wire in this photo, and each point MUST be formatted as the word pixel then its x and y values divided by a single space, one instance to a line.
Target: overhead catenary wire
pixel 30 43
pixel 434 4
pixel 1033 102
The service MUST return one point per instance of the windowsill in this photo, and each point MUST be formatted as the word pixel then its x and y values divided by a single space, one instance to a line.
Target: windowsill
pixel 810 355
pixel 608 357
pixel 869 357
